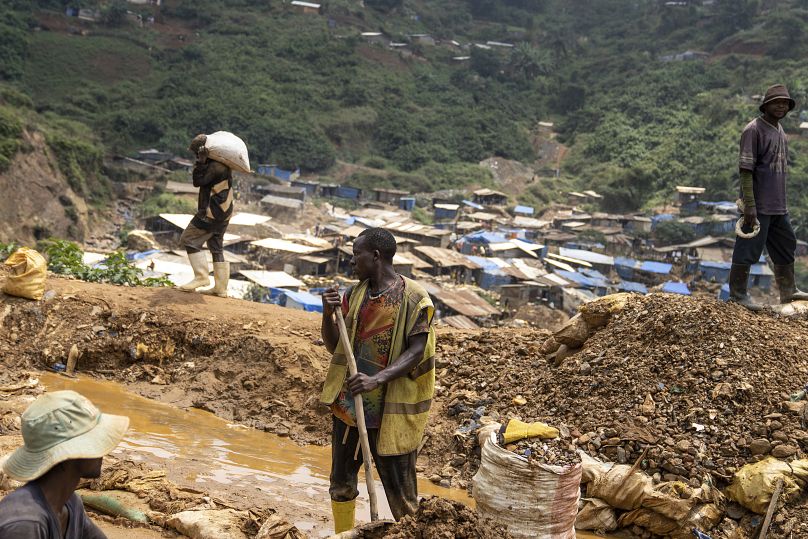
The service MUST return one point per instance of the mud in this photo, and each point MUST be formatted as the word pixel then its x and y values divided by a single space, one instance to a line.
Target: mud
pixel 439 518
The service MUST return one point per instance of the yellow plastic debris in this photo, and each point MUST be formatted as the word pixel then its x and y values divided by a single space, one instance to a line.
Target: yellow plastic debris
pixel 753 485
pixel 518 430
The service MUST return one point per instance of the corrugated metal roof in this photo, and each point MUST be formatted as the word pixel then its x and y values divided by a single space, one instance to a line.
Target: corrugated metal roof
pixel 180 188
pixel 449 207
pixel 571 260
pixel 474 205
pixel 467 303
pixel 558 264
pixel 249 219
pixel 459 321
pixel 276 244
pixel 180 220
pixel 529 222
pixel 587 256
pixel 283 202
pixel 272 279
pixel 504 246
pixel 483 216
pixel 410 258
pixel 526 210
pixel 314 259
pixel 445 257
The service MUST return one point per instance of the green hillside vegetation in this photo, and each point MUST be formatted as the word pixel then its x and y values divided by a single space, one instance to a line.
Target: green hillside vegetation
pixel 308 90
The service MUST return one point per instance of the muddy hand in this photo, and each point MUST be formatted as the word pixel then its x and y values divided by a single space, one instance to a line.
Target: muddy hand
pixel 362 383
pixel 331 300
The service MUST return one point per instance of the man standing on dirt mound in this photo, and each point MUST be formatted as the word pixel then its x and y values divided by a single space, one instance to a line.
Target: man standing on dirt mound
pixel 214 209
pixel 763 167
pixel 389 322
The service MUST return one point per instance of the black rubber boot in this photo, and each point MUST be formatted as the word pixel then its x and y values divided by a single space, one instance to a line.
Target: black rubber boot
pixel 784 276
pixel 738 282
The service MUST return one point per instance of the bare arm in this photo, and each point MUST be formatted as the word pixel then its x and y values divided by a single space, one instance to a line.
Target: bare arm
pixel 328 328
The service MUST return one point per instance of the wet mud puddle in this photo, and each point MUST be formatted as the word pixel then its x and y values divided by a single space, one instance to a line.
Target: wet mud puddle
pixel 203 451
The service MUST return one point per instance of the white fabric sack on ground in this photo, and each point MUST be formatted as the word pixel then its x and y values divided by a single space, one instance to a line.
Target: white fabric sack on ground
pixel 228 149
pixel 539 502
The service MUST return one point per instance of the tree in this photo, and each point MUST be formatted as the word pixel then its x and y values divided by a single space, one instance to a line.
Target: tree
pixel 527 62
pixel 384 5
pixel 115 13
pixel 674 233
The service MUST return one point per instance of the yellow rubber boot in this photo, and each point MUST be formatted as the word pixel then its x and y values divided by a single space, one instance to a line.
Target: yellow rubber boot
pixel 343 515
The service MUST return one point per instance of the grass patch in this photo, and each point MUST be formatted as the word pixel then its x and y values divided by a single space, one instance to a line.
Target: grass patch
pixel 58 64
pixel 10 136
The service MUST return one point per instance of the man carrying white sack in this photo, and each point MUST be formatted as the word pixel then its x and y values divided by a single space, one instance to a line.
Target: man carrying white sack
pixel 214 209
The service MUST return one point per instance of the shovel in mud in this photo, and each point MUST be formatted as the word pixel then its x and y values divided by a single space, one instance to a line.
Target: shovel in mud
pixel 360 418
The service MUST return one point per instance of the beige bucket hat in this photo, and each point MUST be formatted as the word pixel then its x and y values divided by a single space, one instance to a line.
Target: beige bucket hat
pixel 60 426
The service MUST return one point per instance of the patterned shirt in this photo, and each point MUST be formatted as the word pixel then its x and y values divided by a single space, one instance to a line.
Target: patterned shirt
pixel 764 151
pixel 372 344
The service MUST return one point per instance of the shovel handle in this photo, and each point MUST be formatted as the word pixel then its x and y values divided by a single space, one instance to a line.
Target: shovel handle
pixel 360 417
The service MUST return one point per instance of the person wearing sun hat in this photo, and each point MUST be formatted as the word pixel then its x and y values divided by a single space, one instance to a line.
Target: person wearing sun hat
pixel 65 438
pixel 763 165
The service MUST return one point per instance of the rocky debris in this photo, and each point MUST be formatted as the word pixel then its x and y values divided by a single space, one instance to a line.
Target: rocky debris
pixel 703 385
pixel 556 452
pixel 439 518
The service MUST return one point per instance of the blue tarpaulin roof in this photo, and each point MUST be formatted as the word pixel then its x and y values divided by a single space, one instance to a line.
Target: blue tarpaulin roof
pixel 486 237
pixel 661 217
pixel 631 286
pixel 655 267
pixel 486 263
pixel 582 279
pixel 674 287
pixel 756 269
pixel 309 302
pixel 717 265
pixel 524 210
pixel 593 273
pixel 474 205
pixel 643 265
pixel 760 269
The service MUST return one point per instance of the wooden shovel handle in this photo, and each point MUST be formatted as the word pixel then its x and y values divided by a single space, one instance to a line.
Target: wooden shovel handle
pixel 360 417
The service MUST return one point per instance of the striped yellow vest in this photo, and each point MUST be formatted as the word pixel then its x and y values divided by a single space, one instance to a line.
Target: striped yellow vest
pixel 407 399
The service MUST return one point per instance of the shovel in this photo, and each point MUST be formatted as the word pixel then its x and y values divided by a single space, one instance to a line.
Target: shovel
pixel 360 417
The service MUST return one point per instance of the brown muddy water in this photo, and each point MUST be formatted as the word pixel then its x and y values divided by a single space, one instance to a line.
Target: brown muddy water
pixel 208 451
pixel 198 448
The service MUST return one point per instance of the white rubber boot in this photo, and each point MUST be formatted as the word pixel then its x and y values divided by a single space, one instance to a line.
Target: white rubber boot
pixel 199 262
pixel 221 275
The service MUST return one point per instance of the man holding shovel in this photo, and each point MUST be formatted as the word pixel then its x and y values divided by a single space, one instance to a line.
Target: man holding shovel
pixel 389 324
pixel 763 167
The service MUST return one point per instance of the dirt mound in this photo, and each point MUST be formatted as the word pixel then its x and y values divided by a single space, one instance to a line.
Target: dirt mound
pixel 703 385
pixel 438 518
pixel 260 365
